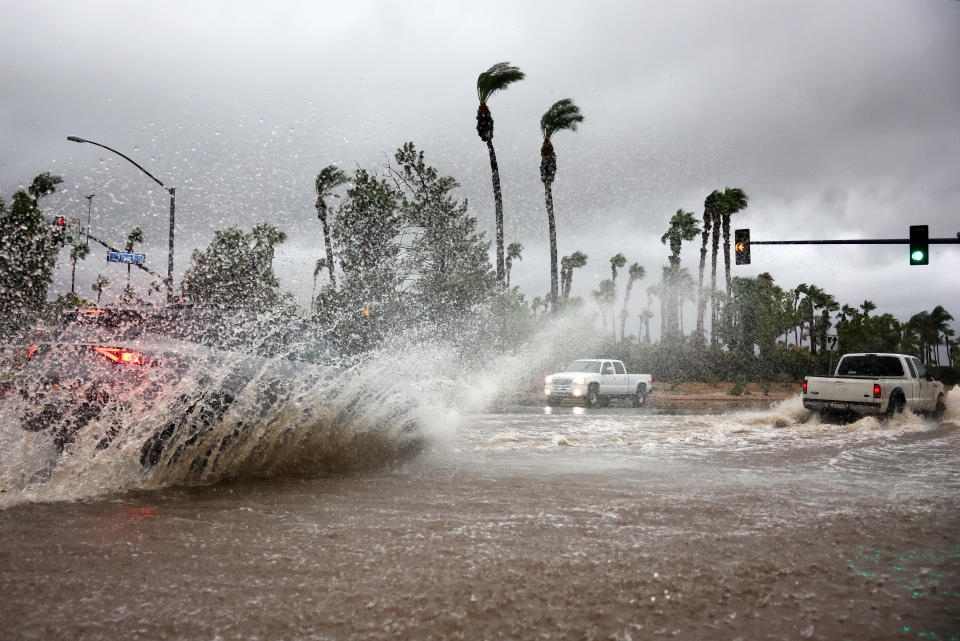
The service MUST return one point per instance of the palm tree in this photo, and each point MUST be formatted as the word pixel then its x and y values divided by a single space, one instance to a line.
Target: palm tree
pixel 616 262
pixel 135 236
pixel 867 306
pixel 734 200
pixel 317 268
pixel 710 203
pixel 645 317
pixel 636 272
pixel 497 77
pixel 79 252
pixel 576 260
pixel 329 178
pixel 939 321
pixel 563 114
pixel 605 295
pixel 535 304
pixel 683 226
pixel 98 286
pixel 514 251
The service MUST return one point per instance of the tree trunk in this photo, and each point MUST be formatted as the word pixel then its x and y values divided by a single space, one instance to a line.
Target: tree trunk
pixel 328 246
pixel 715 248
pixel 727 317
pixel 552 227
pixel 497 208
pixel 701 300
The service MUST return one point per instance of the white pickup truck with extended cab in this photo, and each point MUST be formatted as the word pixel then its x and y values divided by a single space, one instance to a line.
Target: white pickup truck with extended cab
pixel 596 381
pixel 875 384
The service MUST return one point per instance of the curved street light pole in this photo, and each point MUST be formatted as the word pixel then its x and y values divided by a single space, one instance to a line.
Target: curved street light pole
pixel 171 190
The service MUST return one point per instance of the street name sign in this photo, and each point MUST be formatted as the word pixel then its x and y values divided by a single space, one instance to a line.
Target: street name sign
pixel 122 257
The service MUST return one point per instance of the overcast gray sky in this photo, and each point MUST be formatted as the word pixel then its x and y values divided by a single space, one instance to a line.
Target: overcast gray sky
pixel 839 119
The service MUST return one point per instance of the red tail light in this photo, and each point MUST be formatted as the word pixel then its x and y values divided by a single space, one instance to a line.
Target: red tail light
pixel 118 355
pixel 876 390
pixel 804 386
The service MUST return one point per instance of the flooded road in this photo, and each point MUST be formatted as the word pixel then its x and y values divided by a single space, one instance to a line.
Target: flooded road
pixel 531 523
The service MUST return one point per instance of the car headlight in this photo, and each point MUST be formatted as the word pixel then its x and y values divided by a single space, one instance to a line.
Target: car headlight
pixel 579 381
pixel 547 380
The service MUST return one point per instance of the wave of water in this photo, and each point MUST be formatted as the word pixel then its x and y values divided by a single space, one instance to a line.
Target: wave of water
pixel 381 410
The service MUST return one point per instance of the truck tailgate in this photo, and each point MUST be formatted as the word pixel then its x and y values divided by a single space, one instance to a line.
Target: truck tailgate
pixel 840 393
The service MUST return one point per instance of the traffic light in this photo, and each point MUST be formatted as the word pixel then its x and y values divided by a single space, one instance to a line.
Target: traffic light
pixel 919 245
pixel 741 245
pixel 59 229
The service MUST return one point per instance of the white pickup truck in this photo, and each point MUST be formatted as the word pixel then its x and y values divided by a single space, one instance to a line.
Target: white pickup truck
pixel 596 381
pixel 875 384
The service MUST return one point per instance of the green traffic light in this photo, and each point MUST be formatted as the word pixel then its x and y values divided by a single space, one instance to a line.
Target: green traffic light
pixel 917 256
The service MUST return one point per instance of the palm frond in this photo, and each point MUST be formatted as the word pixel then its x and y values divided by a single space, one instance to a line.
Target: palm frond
pixel 563 114
pixel 497 77
pixel 330 177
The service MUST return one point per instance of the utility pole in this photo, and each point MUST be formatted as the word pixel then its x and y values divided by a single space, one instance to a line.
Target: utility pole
pixel 89 208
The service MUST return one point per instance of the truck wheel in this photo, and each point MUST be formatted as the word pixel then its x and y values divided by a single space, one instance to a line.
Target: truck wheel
pixel 640 397
pixel 940 409
pixel 592 398
pixel 896 404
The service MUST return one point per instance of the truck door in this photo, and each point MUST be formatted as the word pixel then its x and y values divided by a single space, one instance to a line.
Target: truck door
pixel 608 378
pixel 623 386
pixel 925 388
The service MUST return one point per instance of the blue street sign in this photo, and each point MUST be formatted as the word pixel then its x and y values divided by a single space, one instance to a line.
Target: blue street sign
pixel 120 257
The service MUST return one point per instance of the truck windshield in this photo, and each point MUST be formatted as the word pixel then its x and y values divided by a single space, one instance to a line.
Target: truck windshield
pixel 591 367
pixel 870 365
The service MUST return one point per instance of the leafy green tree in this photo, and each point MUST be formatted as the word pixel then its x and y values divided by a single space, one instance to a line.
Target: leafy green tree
pixel 366 238
pixel 494 79
pixel 562 115
pixel 28 253
pixel 236 270
pixel 446 262
pixel 329 178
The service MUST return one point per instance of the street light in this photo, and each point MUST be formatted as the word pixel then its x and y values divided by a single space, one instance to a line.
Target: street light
pixel 172 191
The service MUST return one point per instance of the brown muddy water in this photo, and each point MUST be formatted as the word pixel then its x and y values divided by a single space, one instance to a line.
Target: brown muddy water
pixel 526 524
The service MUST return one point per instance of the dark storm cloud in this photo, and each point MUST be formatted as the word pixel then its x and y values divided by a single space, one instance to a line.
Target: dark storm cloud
pixel 839 119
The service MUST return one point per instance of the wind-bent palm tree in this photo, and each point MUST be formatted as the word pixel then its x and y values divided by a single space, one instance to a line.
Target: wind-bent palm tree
pixel 514 251
pixel 576 260
pixel 320 265
pixel 606 296
pixel 683 226
pixel 563 114
pixel 617 262
pixel 734 200
pixel 79 252
pixel 710 203
pixel 98 286
pixel 939 321
pixel 636 272
pixel 329 178
pixel 867 306
pixel 135 236
pixel 497 77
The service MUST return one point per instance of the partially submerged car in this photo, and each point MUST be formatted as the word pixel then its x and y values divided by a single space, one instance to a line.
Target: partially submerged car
pixel 119 362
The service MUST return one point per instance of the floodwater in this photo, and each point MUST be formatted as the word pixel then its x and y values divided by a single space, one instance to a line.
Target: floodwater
pixel 552 523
